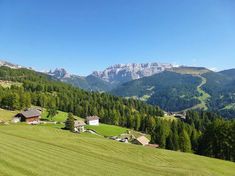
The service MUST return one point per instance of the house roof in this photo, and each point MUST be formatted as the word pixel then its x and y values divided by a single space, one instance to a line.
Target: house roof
pixel 31 113
pixel 143 140
pixel 79 123
pixel 90 118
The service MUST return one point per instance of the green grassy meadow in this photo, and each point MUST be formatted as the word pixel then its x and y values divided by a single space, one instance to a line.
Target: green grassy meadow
pixel 27 150
pixel 6 115
pixel 203 95
pixel 59 117
pixel 107 130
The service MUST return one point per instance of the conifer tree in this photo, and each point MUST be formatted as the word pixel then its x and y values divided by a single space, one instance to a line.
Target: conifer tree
pixel 184 141
pixel 69 124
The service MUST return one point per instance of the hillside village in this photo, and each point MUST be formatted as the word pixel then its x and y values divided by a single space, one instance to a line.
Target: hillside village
pixel 32 116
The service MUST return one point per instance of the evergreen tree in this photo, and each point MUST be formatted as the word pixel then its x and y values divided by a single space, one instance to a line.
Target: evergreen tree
pixel 169 142
pixel 137 122
pixel 184 141
pixel 175 136
pixel 194 139
pixel 69 124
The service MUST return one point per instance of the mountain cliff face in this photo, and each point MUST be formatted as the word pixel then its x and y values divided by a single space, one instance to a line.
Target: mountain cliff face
pixel 121 73
pixel 111 77
pixel 59 73
pixel 90 83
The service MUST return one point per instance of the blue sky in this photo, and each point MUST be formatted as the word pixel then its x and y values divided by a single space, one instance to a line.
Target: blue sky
pixel 87 35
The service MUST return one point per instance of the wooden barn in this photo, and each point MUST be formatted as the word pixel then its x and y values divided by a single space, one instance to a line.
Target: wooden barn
pixel 30 116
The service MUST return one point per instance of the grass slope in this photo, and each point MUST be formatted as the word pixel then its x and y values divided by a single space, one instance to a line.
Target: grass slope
pixel 6 115
pixel 45 151
pixel 203 98
pixel 190 70
pixel 59 117
pixel 107 130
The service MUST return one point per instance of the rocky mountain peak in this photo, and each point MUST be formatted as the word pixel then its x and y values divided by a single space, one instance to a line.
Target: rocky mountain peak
pixel 121 73
pixel 59 73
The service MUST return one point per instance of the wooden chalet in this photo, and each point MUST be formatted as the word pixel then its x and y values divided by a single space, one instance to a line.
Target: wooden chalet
pixel 29 116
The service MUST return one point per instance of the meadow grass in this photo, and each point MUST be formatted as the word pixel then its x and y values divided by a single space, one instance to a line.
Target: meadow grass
pixel 27 150
pixel 6 115
pixel 107 130
pixel 59 117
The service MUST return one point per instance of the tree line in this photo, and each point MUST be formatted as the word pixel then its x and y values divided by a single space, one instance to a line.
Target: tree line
pixel 42 90
pixel 203 133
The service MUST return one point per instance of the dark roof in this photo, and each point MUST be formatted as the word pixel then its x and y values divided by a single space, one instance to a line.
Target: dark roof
pixel 89 118
pixel 31 113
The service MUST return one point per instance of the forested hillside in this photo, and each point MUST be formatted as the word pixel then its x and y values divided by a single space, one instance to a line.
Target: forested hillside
pixel 185 88
pixel 203 133
pixel 169 90
pixel 221 87
pixel 89 83
pixel 41 90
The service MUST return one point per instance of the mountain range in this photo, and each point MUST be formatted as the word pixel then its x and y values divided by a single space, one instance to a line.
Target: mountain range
pixel 171 88
pixel 111 77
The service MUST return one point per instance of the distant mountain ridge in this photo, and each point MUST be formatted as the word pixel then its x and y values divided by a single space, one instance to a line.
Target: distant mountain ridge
pixel 59 73
pixel 110 77
pixel 171 88
pixel 90 82
pixel 121 73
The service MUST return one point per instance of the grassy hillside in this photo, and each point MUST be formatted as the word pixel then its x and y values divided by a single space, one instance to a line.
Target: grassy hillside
pixel 59 117
pixel 6 115
pixel 203 96
pixel 190 70
pixel 107 130
pixel 45 151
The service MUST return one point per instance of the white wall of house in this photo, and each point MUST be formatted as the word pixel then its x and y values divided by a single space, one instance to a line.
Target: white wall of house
pixel 16 120
pixel 80 129
pixel 93 122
